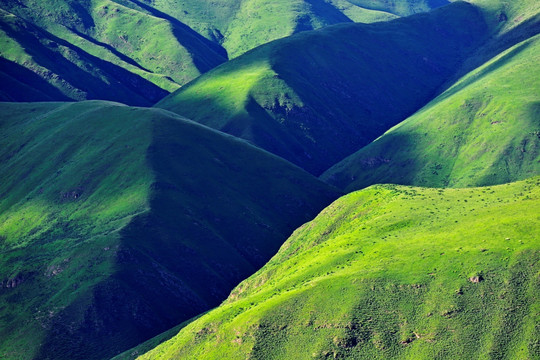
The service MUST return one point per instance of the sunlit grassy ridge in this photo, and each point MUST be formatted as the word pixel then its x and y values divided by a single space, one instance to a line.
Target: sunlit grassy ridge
pixel 318 96
pixel 117 223
pixel 401 8
pixel 98 50
pixel 241 25
pixel 483 130
pixel 389 272
pixel 136 51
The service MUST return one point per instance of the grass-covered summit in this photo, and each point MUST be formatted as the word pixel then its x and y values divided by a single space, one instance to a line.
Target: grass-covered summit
pixel 117 223
pixel 389 272
pixel 318 96
pixel 241 25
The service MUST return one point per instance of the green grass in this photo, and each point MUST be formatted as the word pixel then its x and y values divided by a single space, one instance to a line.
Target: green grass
pixel 243 25
pixel 135 52
pixel 386 273
pixel 400 8
pixel 117 223
pixel 318 96
pixel 483 130
pixel 99 50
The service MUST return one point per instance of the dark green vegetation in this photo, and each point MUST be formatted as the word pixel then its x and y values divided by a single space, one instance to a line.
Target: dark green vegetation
pixel 389 272
pixel 137 51
pixel 117 223
pixel 483 130
pixel 318 96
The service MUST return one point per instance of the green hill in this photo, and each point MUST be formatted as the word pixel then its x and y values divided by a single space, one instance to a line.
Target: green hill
pixel 389 272
pixel 117 223
pixel 483 130
pixel 400 8
pixel 241 25
pixel 97 50
pixel 318 96
pixel 136 51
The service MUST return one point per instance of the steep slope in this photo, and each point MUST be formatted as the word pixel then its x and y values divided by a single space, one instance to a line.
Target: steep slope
pixel 483 130
pixel 117 223
pixel 389 272
pixel 98 50
pixel 318 96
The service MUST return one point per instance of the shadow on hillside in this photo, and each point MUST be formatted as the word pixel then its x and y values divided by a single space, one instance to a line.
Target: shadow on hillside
pixel 145 91
pixel 322 10
pixel 14 88
pixel 181 31
pixel 502 61
pixel 117 53
pixel 378 165
pixel 217 210
pixel 494 47
pixel 385 6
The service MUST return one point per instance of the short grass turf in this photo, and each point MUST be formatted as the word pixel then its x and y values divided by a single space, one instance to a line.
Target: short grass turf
pixel 389 272
pixel 117 223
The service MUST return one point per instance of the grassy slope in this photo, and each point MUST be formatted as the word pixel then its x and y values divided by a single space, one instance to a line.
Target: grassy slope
pixel 384 273
pixel 117 223
pixel 399 7
pixel 80 48
pixel 483 130
pixel 318 96
pixel 259 21
pixel 243 25
pixel 89 50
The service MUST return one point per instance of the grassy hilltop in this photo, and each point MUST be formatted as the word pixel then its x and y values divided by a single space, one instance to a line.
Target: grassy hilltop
pixel 389 272
pixel 117 223
pixel 318 96
pixel 136 51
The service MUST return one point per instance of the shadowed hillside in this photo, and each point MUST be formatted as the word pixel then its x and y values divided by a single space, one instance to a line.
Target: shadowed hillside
pixel 98 50
pixel 136 51
pixel 318 96
pixel 117 223
pixel 484 130
pixel 241 25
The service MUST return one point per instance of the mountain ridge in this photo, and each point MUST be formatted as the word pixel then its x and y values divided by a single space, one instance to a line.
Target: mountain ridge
pixel 318 96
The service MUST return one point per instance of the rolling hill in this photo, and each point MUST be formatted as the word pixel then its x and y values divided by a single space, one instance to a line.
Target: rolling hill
pixel 483 130
pixel 318 96
pixel 136 51
pixel 389 272
pixel 117 223
pixel 97 50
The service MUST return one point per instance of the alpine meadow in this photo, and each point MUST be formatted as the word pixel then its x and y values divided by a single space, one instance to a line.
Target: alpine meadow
pixel 269 179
